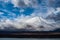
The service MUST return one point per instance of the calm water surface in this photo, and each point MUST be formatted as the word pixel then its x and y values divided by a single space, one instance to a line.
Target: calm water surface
pixel 29 38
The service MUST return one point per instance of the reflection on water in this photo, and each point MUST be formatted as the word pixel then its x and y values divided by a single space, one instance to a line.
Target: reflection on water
pixel 29 38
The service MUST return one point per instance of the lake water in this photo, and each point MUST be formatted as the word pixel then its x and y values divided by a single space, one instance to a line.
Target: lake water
pixel 29 38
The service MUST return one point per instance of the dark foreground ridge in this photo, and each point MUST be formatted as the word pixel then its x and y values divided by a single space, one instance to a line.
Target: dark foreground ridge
pixel 29 34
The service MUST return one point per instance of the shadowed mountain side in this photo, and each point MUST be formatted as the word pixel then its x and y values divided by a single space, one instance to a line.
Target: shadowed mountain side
pixel 55 17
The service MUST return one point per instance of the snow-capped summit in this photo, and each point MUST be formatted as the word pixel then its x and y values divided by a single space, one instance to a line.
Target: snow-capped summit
pixel 33 20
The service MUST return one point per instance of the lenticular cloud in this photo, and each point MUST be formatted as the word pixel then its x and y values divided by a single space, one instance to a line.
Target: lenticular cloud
pixel 38 20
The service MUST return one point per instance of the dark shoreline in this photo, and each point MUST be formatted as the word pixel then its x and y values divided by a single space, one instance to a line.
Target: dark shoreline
pixel 31 35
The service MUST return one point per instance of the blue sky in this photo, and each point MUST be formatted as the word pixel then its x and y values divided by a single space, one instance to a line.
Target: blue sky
pixel 10 7
pixel 27 10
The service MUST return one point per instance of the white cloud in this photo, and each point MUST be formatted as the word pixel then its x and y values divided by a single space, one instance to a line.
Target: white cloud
pixel 1 13
pixel 25 3
pixel 15 2
pixel 52 11
pixel 57 10
pixel 6 0
pixel 22 10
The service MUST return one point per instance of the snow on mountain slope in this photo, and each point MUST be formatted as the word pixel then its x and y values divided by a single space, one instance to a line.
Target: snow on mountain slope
pixel 38 23
pixel 35 23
